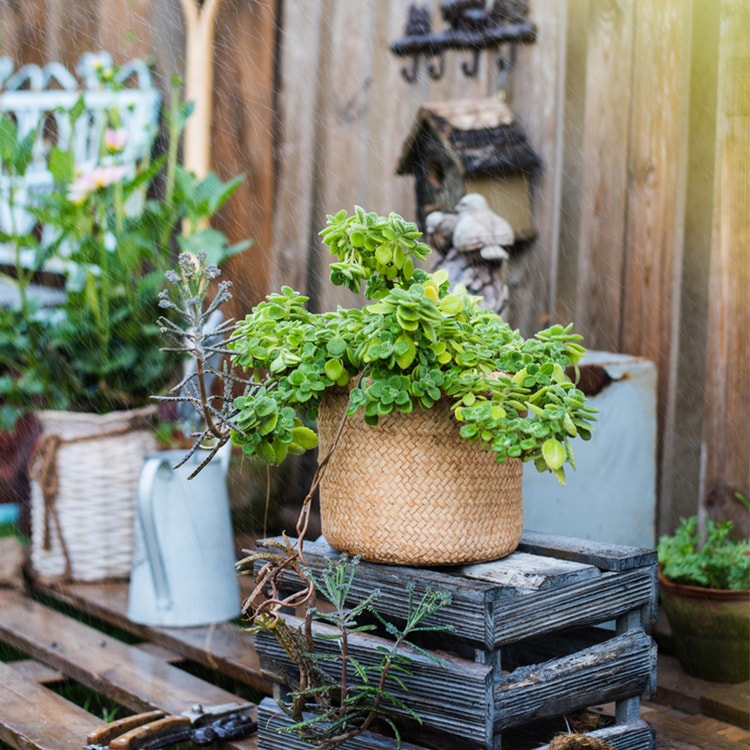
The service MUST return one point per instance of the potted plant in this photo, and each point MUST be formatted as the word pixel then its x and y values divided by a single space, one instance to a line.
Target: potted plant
pixel 704 585
pixel 88 364
pixel 416 351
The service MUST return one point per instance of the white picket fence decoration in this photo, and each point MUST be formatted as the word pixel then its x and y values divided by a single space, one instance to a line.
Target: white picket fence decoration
pixel 40 98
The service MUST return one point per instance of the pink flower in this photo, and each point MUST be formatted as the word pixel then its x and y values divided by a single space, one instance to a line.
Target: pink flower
pixel 97 178
pixel 115 140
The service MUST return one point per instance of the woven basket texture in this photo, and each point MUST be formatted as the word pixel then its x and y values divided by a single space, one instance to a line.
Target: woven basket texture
pixel 98 463
pixel 411 491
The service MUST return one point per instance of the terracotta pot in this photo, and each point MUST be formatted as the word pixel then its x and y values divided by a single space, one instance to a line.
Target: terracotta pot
pixel 710 630
pixel 412 491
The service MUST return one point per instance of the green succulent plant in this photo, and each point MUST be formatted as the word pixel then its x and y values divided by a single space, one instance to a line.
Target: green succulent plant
pixel 415 342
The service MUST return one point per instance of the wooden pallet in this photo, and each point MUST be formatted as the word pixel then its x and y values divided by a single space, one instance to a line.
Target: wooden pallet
pixel 136 677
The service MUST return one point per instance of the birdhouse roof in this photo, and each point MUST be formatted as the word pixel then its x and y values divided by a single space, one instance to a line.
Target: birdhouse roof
pixel 479 135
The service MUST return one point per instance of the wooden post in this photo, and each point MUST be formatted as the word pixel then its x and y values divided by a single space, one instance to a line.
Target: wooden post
pixel 726 413
pixel 200 22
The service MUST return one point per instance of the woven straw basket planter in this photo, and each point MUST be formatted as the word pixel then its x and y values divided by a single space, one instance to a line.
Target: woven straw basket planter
pixel 84 478
pixel 411 491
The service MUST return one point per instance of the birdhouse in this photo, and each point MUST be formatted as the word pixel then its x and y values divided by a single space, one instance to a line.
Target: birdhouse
pixel 471 146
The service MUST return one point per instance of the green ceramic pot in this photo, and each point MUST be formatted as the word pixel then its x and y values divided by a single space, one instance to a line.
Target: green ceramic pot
pixel 710 630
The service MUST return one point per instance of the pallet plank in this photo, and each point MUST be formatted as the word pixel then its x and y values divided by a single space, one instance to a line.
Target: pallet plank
pixel 126 674
pixel 34 670
pixel 32 716
pixel 223 646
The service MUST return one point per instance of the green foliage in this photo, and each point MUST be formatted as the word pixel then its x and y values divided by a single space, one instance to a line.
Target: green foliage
pixel 115 231
pixel 346 695
pixel 716 562
pixel 413 344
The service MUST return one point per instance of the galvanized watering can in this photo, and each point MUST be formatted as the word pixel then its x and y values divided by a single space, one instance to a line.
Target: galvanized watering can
pixel 183 562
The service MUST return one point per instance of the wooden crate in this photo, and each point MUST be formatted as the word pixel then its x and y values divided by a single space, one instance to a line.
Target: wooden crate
pixel 558 626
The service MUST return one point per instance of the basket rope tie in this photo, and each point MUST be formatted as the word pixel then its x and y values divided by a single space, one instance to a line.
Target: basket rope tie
pixel 44 471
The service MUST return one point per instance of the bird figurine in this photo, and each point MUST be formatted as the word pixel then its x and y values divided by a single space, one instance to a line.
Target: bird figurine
pixel 439 226
pixel 459 251
pixel 480 228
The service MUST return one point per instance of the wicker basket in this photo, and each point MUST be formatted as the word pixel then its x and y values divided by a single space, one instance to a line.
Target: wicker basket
pixel 411 491
pixel 84 477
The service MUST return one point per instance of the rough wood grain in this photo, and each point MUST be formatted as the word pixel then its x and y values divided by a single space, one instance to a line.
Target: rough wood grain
pixel 619 668
pixel 31 716
pixel 604 556
pixel 637 735
pixel 537 99
pixel 604 172
pixel 124 673
pixel 726 409
pixel 464 687
pixel 225 646
pixel 300 85
pixel 272 722
pixel 34 670
pixel 654 233
pixel 674 733
pixel 527 594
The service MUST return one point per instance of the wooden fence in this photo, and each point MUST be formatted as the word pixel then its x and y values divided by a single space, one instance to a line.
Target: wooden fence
pixel 639 110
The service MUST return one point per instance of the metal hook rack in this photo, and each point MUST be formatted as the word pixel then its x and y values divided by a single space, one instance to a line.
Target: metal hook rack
pixel 472 26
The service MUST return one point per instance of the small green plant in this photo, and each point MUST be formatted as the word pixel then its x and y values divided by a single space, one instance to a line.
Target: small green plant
pixel 415 343
pixel 715 562
pixel 347 695
pixel 112 231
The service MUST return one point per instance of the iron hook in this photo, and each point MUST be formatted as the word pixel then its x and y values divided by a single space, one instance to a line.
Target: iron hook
pixel 411 75
pixel 436 71
pixel 470 72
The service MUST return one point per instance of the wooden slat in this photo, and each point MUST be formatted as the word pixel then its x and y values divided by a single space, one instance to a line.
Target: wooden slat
pixel 656 191
pixel 621 667
pixel 726 412
pixel 224 646
pixel 588 603
pixel 536 98
pixel 730 703
pixel 604 172
pixel 124 673
pixel 635 736
pixel 293 229
pixel 243 141
pixel 674 733
pixel 523 595
pixel 464 687
pixel 34 670
pixel 272 721
pixel 604 556
pixel 130 36
pixel 33 717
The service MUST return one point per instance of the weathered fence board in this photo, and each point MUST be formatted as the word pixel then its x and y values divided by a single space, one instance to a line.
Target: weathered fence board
pixel 726 415
pixel 618 98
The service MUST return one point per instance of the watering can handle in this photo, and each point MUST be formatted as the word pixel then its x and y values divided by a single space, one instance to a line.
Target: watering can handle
pixel 147 521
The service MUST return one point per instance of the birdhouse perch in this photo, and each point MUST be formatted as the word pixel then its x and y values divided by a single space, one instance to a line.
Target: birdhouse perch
pixel 471 146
